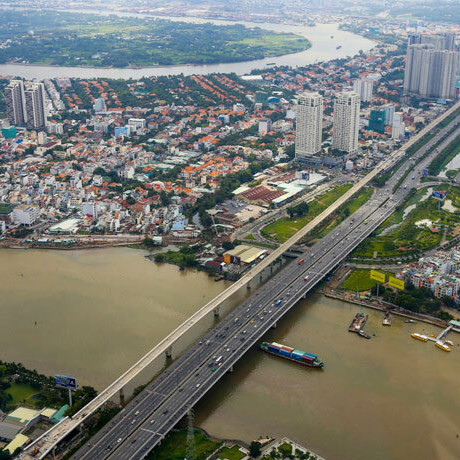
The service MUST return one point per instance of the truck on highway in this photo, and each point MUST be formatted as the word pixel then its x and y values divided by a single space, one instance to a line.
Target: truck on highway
pixel 301 261
pixel 278 303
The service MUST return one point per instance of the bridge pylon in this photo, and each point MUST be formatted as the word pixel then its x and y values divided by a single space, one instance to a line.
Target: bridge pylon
pixel 168 352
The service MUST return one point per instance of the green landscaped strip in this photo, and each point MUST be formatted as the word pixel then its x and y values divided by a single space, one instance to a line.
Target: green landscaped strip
pixel 174 446
pixel 339 216
pixel 441 160
pixel 282 229
pixel 408 239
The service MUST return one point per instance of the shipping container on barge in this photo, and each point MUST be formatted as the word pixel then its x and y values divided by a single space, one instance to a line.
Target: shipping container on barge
pixel 297 356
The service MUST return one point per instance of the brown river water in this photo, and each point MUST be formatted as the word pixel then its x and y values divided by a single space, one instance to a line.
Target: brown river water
pixel 98 311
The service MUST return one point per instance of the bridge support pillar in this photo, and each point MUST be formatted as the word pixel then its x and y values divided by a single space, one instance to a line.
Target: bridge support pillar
pixel 168 352
pixel 53 453
pixel 231 369
pixel 275 325
pixel 122 397
pixel 216 312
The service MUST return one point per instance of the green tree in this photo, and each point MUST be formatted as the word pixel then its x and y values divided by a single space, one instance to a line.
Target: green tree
pixel 254 449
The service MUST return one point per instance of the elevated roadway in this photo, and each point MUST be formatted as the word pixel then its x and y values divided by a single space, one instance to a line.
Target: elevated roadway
pixel 161 405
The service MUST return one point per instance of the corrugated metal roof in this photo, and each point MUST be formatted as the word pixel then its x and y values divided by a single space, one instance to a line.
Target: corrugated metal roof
pixel 8 430
pixel 59 414
pixel 16 443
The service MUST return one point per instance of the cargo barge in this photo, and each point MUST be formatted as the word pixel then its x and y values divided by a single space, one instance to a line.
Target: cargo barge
pixel 297 356
pixel 357 325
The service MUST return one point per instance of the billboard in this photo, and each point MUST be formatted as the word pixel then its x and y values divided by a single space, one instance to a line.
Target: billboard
pixel 439 194
pixel 377 276
pixel 398 284
pixel 63 381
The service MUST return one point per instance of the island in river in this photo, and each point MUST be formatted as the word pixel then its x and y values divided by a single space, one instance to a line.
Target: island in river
pixel 70 39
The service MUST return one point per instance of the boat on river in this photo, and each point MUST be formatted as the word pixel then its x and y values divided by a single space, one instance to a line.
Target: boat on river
pixel 387 319
pixel 442 345
pixel 421 337
pixel 297 356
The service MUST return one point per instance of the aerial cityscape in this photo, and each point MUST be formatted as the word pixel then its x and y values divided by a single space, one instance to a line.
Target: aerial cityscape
pixel 229 229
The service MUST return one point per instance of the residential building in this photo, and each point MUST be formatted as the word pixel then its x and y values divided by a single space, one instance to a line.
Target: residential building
pixel 430 72
pixel 309 115
pixel 265 125
pixel 364 89
pixel 389 110
pixel 99 105
pixel 398 127
pixel 346 122
pixel 35 106
pixel 15 103
pixel 25 214
pixel 89 209
pixel 445 41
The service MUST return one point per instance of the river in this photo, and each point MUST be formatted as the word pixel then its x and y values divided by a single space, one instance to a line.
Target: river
pixel 98 311
pixel 323 49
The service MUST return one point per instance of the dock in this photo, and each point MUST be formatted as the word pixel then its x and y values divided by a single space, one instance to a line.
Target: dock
pixel 440 340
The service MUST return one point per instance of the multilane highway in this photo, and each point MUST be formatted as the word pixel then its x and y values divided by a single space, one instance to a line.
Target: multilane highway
pixel 145 421
pixel 164 402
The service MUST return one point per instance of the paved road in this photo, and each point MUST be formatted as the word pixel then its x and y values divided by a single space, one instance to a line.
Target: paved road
pixel 189 377
pixel 145 421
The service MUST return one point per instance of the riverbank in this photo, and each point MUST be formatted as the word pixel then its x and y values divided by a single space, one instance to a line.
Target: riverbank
pixel 384 307
pixel 142 42
pixel 322 49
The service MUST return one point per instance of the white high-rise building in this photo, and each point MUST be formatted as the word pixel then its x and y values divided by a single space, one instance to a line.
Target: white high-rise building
pixel 346 122
pixel 398 128
pixel 16 103
pixel 36 106
pixel 309 115
pixel 100 105
pixel 363 88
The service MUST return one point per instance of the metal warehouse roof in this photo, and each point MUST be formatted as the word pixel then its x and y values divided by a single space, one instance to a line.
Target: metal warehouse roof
pixel 16 443
pixel 8 431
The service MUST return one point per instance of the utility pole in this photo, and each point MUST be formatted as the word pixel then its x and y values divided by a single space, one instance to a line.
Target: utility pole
pixel 190 452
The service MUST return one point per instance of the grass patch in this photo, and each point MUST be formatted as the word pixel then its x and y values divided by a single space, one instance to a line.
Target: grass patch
pixel 174 446
pixel 250 237
pixel 231 453
pixel 21 393
pixel 360 280
pixel 282 229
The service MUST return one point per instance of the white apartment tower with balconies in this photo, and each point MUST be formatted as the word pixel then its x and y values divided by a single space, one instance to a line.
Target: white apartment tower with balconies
pixel 346 122
pixel 309 129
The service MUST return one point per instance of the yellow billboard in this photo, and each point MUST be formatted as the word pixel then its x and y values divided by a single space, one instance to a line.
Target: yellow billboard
pixel 398 284
pixel 377 276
